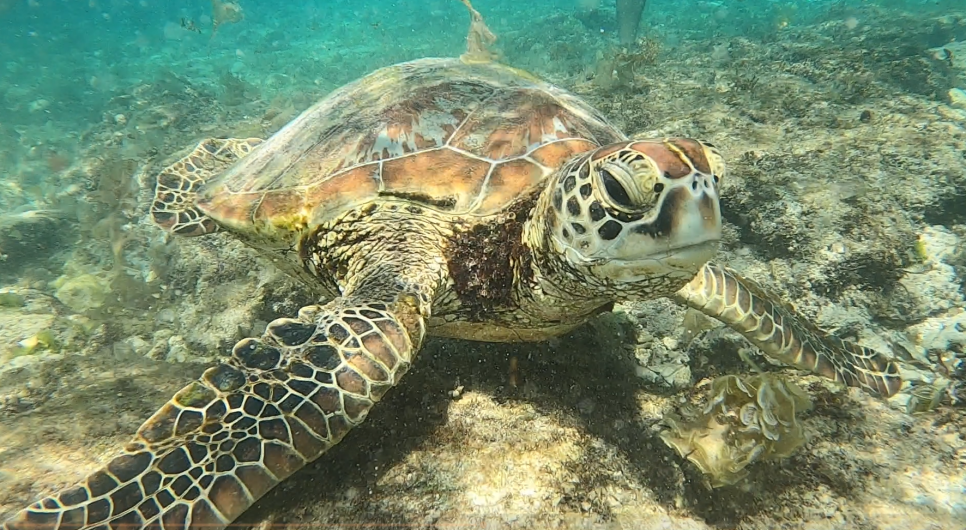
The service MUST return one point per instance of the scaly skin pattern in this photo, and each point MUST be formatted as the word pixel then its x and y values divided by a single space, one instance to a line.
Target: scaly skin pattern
pixel 173 207
pixel 277 403
pixel 723 294
pixel 516 220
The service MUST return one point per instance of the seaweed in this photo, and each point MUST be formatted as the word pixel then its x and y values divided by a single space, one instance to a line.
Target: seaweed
pixel 8 299
pixel 747 419
pixel 618 69
pixel 236 90
pixel 108 216
pixel 478 40
pixel 224 13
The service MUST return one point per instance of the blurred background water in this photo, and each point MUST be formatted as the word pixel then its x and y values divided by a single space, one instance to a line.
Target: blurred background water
pixel 65 61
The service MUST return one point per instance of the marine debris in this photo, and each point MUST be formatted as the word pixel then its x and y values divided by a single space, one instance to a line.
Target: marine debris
pixel 478 39
pixel 747 419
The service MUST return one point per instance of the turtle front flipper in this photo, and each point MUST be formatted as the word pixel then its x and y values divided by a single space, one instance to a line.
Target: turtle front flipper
pixel 277 403
pixel 174 195
pixel 721 293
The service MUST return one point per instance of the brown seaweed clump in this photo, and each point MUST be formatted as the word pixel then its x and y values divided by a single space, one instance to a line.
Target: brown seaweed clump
pixel 748 419
pixel 478 40
pixel 224 13
pixel 616 69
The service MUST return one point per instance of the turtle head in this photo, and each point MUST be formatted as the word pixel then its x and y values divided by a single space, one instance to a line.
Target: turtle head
pixel 641 215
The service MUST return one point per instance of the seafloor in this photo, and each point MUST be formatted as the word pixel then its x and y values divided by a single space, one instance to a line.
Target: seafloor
pixel 846 139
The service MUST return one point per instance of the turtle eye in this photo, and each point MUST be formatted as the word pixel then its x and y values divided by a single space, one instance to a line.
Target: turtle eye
pixel 615 190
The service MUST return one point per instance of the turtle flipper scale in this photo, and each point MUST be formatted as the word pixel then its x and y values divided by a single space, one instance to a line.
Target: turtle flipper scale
pixel 277 403
pixel 723 294
pixel 173 208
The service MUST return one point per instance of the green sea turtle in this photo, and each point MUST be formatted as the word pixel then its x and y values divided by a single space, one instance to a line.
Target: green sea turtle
pixel 436 197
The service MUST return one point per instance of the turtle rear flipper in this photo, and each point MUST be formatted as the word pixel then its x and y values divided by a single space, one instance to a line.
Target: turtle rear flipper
pixel 223 441
pixel 723 294
pixel 177 186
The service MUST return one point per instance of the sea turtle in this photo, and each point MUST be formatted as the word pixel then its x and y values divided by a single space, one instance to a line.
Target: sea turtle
pixel 435 197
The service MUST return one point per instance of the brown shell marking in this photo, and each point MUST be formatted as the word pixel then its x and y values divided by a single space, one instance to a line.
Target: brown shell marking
pixel 678 157
pixel 467 139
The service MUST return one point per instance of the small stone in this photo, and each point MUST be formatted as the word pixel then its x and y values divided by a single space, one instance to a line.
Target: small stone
pixel 82 293
pixel 167 315
pixel 139 346
pixel 38 105
pixel 673 375
pixel 178 350
pixel 957 97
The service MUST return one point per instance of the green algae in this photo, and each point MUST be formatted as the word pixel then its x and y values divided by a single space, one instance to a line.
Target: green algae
pixel 11 300
pixel 43 341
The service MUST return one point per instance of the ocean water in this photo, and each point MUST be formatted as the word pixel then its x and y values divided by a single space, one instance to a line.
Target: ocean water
pixel 843 124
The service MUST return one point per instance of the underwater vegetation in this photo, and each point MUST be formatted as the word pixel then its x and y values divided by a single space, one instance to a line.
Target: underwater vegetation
pixel 617 68
pixel 224 13
pixel 747 419
pixel 479 39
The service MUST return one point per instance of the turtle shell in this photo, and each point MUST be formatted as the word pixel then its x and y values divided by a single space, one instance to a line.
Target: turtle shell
pixel 465 139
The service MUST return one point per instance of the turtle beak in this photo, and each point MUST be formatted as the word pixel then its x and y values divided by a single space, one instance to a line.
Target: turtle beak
pixel 640 211
pixel 661 199
pixel 681 234
pixel 689 215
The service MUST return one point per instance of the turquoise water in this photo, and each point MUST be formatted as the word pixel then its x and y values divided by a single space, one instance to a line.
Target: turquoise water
pixel 64 62
pixel 844 127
